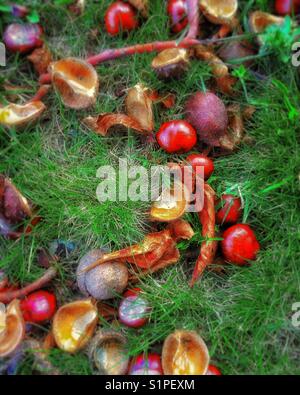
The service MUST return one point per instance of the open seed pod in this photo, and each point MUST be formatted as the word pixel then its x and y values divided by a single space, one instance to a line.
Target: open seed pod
pixel 171 205
pixel 219 68
pixel 74 325
pixel 18 115
pixel 76 81
pixel 107 352
pixel 171 63
pixel 12 328
pixel 184 353
pixel 259 21
pixel 219 11
pixel 141 5
pixel 103 282
pixel 139 106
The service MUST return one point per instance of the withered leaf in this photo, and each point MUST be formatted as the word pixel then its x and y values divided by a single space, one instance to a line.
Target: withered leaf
pixel 40 58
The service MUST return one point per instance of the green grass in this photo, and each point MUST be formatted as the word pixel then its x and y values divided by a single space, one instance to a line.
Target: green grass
pixel 244 315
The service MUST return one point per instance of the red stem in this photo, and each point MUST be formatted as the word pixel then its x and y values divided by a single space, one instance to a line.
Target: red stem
pixel 193 17
pixel 7 297
pixel 42 91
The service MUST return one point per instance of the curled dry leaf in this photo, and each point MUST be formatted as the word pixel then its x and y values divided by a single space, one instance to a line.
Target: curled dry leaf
pixel 141 5
pixel 181 230
pixel 18 115
pixel 208 247
pixel 139 107
pixel 219 68
pixel 259 21
pixel 219 11
pixel 185 353
pixel 235 132
pixel 167 100
pixel 171 205
pixel 226 84
pixel 40 58
pixel 76 81
pixel 171 62
pixel 74 325
pixel 102 123
pixel 13 333
pixel 156 251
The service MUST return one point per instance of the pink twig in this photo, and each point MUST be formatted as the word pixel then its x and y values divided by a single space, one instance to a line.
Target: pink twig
pixel 193 17
pixel 7 297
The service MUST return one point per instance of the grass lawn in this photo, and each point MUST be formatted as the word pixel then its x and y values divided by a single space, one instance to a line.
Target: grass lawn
pixel 244 315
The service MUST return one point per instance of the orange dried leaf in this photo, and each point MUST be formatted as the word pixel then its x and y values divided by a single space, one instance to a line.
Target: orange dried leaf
pixel 219 68
pixel 139 107
pixel 40 58
pixel 102 123
pixel 235 132
pixel 181 230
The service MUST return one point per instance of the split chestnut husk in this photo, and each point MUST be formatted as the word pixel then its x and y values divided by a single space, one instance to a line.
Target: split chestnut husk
pixel 208 115
pixel 185 353
pixel 171 63
pixel 12 328
pixel 76 81
pixel 107 352
pixel 259 21
pixel 139 106
pixel 103 282
pixel 171 205
pixel 219 11
pixel 74 325
pixel 19 115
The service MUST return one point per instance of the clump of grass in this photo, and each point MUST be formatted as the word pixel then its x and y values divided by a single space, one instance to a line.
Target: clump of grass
pixel 244 315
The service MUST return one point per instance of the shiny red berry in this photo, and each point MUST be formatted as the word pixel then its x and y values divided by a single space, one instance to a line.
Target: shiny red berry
pixel 176 137
pixel 201 162
pixel 149 364
pixel 239 244
pixel 230 210
pixel 213 371
pixel 177 11
pixel 38 307
pixel 134 311
pixel 287 7
pixel 120 17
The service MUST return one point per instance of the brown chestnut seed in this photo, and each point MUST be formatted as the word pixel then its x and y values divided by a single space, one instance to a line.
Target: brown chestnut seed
pixel 107 351
pixel 207 114
pixel 235 51
pixel 171 63
pixel 104 281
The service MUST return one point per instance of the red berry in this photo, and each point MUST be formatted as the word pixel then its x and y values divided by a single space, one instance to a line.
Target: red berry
pixel 176 136
pixel 230 210
pixel 120 17
pixel 239 244
pixel 177 11
pixel 287 7
pixel 134 311
pixel 146 365
pixel 198 161
pixel 213 371
pixel 39 306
